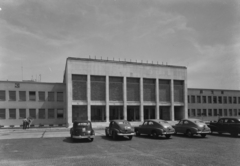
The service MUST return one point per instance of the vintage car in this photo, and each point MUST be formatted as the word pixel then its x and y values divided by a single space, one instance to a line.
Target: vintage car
pixel 155 127
pixel 82 129
pixel 191 127
pixel 119 128
pixel 226 125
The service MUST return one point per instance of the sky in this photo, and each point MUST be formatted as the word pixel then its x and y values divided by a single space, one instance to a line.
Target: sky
pixel 37 36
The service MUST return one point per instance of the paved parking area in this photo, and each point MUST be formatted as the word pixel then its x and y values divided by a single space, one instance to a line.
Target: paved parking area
pixel 55 149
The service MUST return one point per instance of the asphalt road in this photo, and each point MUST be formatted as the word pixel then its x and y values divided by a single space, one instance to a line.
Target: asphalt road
pixel 179 150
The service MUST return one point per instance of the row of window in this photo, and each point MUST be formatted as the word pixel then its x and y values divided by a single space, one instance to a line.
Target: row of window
pixel 41 114
pixel 214 99
pixel 213 112
pixel 32 96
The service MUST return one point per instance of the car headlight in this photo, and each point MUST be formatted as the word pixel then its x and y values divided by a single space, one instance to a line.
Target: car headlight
pixel 165 127
pixel 89 131
pixel 200 125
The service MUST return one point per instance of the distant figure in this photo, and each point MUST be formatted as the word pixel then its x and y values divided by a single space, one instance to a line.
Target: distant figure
pixel 29 122
pixel 25 122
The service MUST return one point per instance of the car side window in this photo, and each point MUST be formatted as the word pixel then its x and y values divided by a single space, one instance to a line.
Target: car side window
pixel 220 121
pixel 231 121
pixel 225 120
pixel 185 122
pixel 181 122
pixel 150 123
pixel 145 123
pixel 112 123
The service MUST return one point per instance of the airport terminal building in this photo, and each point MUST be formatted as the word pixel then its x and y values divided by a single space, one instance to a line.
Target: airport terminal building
pixel 98 90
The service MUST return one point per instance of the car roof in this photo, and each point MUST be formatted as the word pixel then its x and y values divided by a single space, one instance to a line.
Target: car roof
pixel 154 120
pixel 192 119
pixel 82 121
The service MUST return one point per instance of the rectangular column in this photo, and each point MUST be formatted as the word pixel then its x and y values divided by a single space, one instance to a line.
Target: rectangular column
pixel 68 97
pixel 157 99
pixel 107 98
pixel 125 98
pixel 141 100
pixel 185 94
pixel 89 97
pixel 172 101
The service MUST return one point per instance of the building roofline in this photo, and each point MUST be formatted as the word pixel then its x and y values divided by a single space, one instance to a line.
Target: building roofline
pixel 213 89
pixel 124 62
pixel 31 82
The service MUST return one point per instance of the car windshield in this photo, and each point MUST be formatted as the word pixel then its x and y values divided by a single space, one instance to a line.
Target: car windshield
pixel 198 121
pixel 83 124
pixel 123 122
pixel 162 122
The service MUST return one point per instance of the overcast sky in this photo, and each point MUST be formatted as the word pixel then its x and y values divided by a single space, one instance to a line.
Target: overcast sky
pixel 202 35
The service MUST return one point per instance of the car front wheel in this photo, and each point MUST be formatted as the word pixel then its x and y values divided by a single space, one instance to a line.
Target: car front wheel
pixel 154 134
pixel 189 133
pixel 91 139
pixel 106 133
pixel 137 133
pixel 130 137
pixel 168 135
pixel 203 135
pixel 114 135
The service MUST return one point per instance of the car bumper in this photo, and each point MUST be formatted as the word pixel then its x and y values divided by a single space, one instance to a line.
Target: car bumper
pixel 203 132
pixel 125 134
pixel 168 132
pixel 83 136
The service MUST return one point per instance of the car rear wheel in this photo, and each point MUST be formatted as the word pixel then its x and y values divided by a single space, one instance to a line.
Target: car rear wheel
pixel 130 137
pixel 137 133
pixel 203 135
pixel 189 133
pixel 114 135
pixel 168 135
pixel 154 134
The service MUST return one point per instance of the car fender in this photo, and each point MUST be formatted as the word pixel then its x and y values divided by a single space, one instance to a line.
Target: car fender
pixel 193 129
pixel 158 130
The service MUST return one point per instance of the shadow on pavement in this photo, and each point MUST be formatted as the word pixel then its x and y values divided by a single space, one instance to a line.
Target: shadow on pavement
pixel 224 135
pixel 72 141
pixel 118 138
pixel 150 137
pixel 193 137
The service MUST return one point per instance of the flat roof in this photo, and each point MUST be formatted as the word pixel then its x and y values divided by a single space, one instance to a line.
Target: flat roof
pixel 31 82
pixel 124 62
pixel 213 89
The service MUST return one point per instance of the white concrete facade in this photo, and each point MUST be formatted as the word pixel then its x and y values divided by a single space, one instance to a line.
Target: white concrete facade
pixel 126 70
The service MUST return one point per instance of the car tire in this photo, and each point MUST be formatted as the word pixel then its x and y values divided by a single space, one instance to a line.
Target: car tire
pixel 114 135
pixel 168 136
pixel 220 133
pixel 137 133
pixel 203 135
pixel 130 137
pixel 106 133
pixel 91 139
pixel 234 134
pixel 189 133
pixel 154 134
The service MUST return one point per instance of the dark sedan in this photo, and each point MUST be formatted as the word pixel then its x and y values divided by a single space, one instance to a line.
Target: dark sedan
pixel 82 130
pixel 155 127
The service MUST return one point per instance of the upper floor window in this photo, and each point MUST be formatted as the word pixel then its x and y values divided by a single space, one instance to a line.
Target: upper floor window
pixel 204 99
pixel 225 99
pixel 12 113
pixel 22 113
pixel 193 99
pixel 50 96
pixel 22 95
pixel 214 99
pixel 198 99
pixel 210 99
pixel 230 100
pixel 51 114
pixel 60 96
pixel 59 113
pixel 2 114
pixel 220 99
pixel 41 96
pixel 32 96
pixel 2 95
pixel 235 100
pixel 209 112
pixel 12 95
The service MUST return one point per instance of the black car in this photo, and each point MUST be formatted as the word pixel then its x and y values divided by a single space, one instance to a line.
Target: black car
pixel 82 129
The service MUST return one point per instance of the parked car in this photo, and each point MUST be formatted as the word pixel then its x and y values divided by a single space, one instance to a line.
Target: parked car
pixel 82 129
pixel 119 128
pixel 191 127
pixel 155 127
pixel 226 125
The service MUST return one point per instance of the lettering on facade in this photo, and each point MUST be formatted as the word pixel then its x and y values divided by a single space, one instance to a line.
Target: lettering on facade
pixel 17 85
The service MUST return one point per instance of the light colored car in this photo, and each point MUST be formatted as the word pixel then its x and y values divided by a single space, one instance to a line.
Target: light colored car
pixel 191 127
pixel 82 129
pixel 155 127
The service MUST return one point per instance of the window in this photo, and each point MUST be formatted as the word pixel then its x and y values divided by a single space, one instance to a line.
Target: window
pixel 22 113
pixel 185 122
pixel 230 112
pixel 60 96
pixel 220 99
pixel 225 112
pixel 193 99
pixel 150 123
pixel 41 96
pixel 235 112
pixel 41 113
pixel 239 112
pixel 220 112
pixel 215 112
pixel 50 96
pixel 22 96
pixel 188 99
pixel 204 99
pixel 188 112
pixel 238 100
pixel 204 113
pixel 209 99
pixel 12 113
pixel 193 112
pixel 32 113
pixel 214 99
pixel 230 100
pixel 2 95
pixel 32 96
pixel 209 112
pixel 225 99
pixel 12 95
pixel 199 112
pixel 198 99
pixel 51 114
pixel 2 114
pixel 59 113
pixel 235 100
pixel 220 121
